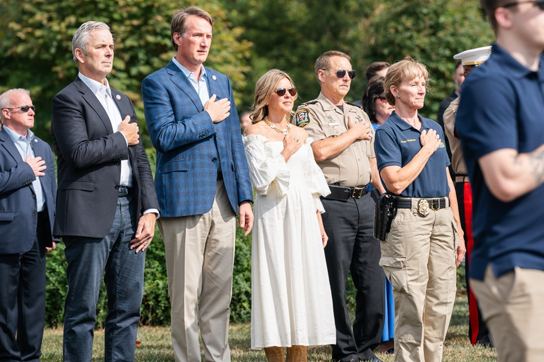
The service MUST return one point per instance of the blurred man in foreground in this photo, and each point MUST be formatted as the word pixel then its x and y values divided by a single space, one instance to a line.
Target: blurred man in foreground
pixel 499 123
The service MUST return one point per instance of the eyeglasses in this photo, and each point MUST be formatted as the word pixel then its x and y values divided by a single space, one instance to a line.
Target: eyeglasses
pixel 23 109
pixel 540 3
pixel 281 91
pixel 341 73
pixel 381 97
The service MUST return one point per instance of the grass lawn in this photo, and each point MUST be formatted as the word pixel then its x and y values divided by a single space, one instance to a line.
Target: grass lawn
pixel 156 345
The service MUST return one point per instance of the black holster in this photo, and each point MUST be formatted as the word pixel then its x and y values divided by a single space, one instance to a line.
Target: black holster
pixel 385 213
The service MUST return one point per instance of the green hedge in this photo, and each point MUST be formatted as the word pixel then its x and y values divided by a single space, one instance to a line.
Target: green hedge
pixel 155 303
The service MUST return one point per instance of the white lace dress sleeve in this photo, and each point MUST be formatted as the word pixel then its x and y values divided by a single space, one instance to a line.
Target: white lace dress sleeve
pixel 267 167
pixel 316 180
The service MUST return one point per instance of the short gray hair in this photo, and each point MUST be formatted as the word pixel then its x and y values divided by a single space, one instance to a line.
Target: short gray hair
pixel 5 99
pixel 81 37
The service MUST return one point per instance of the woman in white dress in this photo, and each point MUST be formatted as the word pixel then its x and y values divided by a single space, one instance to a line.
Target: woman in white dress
pixel 291 296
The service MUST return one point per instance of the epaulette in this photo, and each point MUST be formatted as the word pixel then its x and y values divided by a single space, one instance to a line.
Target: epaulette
pixel 314 101
pixel 355 105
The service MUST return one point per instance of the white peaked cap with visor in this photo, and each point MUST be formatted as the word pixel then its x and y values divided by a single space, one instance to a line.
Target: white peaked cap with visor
pixel 474 56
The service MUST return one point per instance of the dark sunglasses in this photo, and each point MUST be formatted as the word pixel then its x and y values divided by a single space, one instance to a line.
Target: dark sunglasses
pixel 281 91
pixel 382 97
pixel 341 73
pixel 23 109
pixel 540 4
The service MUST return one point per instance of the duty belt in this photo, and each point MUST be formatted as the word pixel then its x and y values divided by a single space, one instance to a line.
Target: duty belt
pixel 424 206
pixel 344 193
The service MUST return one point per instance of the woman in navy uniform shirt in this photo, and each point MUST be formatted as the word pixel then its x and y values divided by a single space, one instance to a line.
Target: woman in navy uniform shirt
pixel 425 243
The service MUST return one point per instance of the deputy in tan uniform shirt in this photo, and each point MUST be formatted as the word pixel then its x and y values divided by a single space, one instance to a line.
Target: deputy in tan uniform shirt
pixel 322 119
pixel 457 162
pixel 344 149
pixel 478 332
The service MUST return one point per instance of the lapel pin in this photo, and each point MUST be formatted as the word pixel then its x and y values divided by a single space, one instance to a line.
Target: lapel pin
pixel 118 97
pixel 214 77
pixel 35 140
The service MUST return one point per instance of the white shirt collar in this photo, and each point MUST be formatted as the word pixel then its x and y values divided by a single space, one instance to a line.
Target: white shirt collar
pixel 94 86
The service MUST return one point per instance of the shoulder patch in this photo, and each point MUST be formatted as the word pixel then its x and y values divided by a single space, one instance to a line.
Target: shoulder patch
pixel 302 117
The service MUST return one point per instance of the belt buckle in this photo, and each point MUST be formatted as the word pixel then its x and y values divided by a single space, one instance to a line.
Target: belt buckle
pixel 423 207
pixel 357 192
pixel 433 207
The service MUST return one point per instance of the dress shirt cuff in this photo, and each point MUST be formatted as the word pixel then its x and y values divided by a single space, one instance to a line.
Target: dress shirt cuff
pixel 155 211
pixel 125 139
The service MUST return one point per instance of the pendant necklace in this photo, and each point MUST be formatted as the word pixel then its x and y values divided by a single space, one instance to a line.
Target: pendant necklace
pixel 284 131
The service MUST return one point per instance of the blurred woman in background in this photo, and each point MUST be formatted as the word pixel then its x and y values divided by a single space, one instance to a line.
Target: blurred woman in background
pixel 374 102
pixel 378 109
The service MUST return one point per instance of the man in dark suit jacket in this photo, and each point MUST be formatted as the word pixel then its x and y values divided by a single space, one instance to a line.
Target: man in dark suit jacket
pixel 107 205
pixel 202 180
pixel 27 210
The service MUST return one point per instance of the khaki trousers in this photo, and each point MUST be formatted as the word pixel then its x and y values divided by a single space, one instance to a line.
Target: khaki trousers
pixel 199 260
pixel 418 258
pixel 513 308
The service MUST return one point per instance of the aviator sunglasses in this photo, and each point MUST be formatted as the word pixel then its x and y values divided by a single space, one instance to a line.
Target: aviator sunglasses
pixel 381 97
pixel 23 109
pixel 281 91
pixel 540 3
pixel 341 73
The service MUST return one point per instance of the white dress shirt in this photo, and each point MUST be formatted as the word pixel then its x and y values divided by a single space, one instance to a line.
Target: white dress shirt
pixel 103 94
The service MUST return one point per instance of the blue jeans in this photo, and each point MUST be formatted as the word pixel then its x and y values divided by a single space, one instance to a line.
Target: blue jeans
pixel 88 259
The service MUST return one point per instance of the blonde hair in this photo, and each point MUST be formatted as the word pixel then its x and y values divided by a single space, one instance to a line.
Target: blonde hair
pixel 263 91
pixel 400 71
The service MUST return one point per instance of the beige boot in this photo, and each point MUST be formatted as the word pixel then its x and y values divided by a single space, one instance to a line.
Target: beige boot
pixel 274 354
pixel 297 354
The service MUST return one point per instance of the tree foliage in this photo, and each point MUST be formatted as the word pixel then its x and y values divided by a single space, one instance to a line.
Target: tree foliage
pixel 291 34
pixel 431 32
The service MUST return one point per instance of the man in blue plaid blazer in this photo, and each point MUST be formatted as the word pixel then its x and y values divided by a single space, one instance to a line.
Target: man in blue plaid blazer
pixel 202 180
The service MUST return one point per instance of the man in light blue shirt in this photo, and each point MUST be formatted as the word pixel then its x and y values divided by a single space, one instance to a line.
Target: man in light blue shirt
pixel 27 209
pixel 202 182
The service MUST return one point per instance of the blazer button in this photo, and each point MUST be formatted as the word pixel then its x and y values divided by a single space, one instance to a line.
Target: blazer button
pixel 33 214
pixel 214 159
